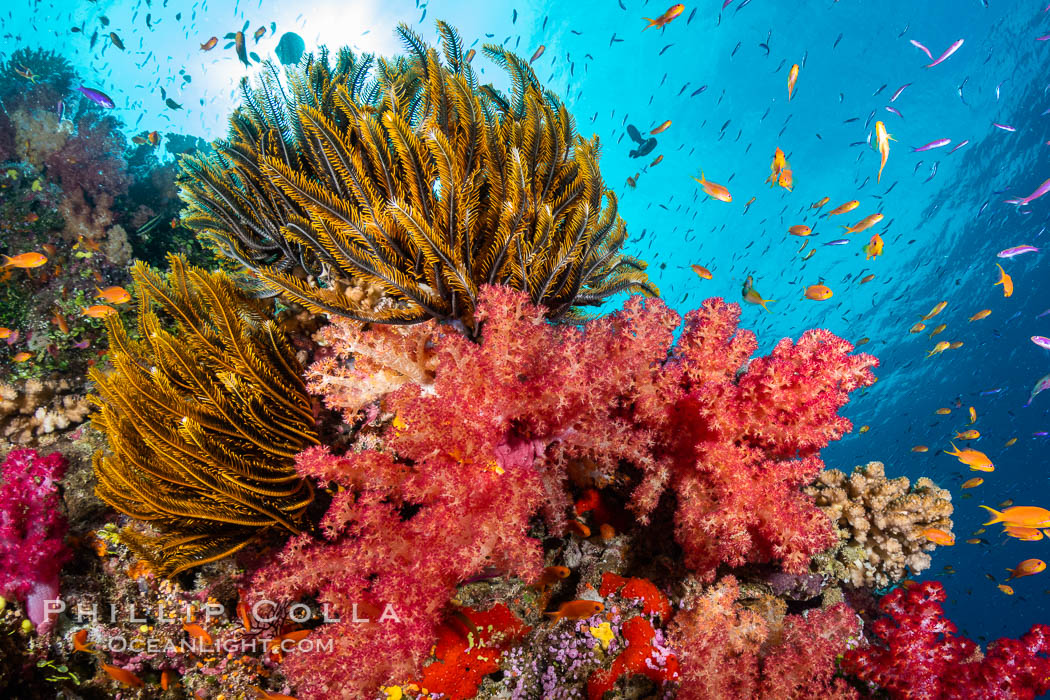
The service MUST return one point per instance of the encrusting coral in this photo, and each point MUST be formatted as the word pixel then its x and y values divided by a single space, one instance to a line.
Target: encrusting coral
pixel 32 408
pixel 203 420
pixel 884 519
pixel 407 175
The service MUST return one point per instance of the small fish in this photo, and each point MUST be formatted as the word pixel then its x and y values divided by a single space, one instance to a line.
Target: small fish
pixel 552 574
pixel 864 429
pixel 172 104
pixel 983 313
pixel 899 91
pixel 576 609
pixel 666 17
pixel 242 52
pixel 921 48
pixel 917 328
pixel 116 40
pixel 956 45
pixel 122 676
pixel 753 297
pixel 1026 534
pixel 867 278
pixel 972 483
pixel 1021 516
pixel 701 271
pixel 660 129
pixel 792 77
pixel 932 145
pixel 1042 341
pixel 258 34
pixel 153 137
pixel 1005 280
pixel 1004 127
pixel 976 540
pixel 80 642
pixel 818 292
pixel 22 357
pixel 955 345
pixel 98 97
pixel 25 261
pixel 844 208
pixel 1040 386
pixel 958 146
pixel 938 348
pixel 973 415
pixel 113 295
pixel 98 311
pixel 920 448
pixel 1017 250
pixel 197 632
pixel 862 341
pixel 1005 589
pixel 967 435
pixel 820 203
pixel 539 52
pixel 974 459
pixel 1029 567
pixel 1039 192
pixel 935 310
pixel 939 329
pixel 656 161
pixel 800 230
pixel 5 333
pixel 864 224
pixel 714 190
pixel 873 248
pixel 1009 442
pixel 838 241
pixel 210 44
pixel 937 536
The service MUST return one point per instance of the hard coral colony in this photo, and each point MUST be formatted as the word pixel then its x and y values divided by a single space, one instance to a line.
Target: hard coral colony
pixel 472 489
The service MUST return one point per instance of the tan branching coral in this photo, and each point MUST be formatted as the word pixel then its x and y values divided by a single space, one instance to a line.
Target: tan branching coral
pixel 881 522
pixel 33 408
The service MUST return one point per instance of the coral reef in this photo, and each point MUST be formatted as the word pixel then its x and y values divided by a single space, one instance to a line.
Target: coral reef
pixel 412 179
pixel 33 408
pixel 880 522
pixel 915 653
pixel 32 531
pixel 203 420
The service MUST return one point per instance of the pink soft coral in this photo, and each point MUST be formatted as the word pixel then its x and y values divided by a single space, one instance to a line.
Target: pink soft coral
pixel 32 528
pixel 508 424
pixel 918 655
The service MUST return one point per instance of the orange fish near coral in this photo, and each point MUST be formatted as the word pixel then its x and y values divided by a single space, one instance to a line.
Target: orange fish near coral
pixel 552 574
pixel 1028 567
pixel 60 321
pixel 845 208
pixel 576 610
pixel 666 17
pixel 714 190
pixel 971 483
pixel 818 292
pixel 80 642
pixel 792 77
pixel 197 632
pixel 1005 280
pixel 122 676
pixel 24 261
pixel 945 539
pixel 1026 534
pixel 5 333
pixel 99 311
pixel 701 271
pixel 22 357
pixel 660 129
pixel 165 679
pixel 1021 516
pixel 974 459
pixel 113 295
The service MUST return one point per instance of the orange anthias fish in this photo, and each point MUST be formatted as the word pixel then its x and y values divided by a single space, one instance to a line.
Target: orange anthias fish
pixel 864 224
pixel 776 167
pixel 920 448
pixel 974 459
pixel 701 271
pixel 5 333
pixel 80 642
pixel 819 204
pixel 882 140
pixel 873 249
pixel 938 348
pixel 552 574
pixel 22 357
pixel 1026 534
pixel 983 313
pixel 666 17
pixel 967 435
pixel 539 52
pixel 714 190
pixel 844 208
pixel 800 230
pixel 792 77
pixel 197 632
pixel 818 292
pixel 945 539
pixel 786 179
pixel 938 330
pixel 576 610
pixel 153 137
pixel 1005 589
pixel 114 295
pixel 1028 567
pixel 1004 279
pixel 972 483
pixel 753 297
pixel 935 310
pixel 867 278
pixel 25 260
pixel 660 129
pixel 210 44
pixel 943 411
pixel 917 328
pixel 258 34
pixel 1020 516
pixel 98 311
pixel 122 675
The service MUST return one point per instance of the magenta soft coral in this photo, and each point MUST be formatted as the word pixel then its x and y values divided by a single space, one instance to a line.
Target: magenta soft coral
pixel 32 530
pixel 918 655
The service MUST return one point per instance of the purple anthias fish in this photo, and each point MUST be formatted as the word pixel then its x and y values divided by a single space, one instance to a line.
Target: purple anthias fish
pixel 932 145
pixel 1017 250
pixel 899 91
pixel 1004 127
pixel 1040 386
pixel 1042 341
pixel 895 111
pixel 1039 192
pixel 838 241
pixel 959 146
pixel 947 54
pixel 96 96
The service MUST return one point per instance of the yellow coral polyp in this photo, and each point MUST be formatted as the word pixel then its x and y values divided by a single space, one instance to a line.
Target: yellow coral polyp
pixel 603 633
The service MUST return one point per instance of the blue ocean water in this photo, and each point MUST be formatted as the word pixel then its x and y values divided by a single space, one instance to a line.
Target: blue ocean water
pixel 945 218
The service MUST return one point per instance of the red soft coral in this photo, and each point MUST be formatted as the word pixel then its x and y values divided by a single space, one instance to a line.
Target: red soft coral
pixel 918 655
